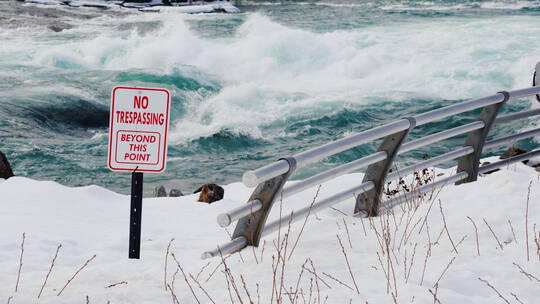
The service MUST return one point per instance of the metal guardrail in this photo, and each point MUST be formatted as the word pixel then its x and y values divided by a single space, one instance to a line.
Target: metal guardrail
pixel 270 179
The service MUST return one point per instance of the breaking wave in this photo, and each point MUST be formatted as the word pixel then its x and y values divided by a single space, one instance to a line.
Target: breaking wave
pixel 266 88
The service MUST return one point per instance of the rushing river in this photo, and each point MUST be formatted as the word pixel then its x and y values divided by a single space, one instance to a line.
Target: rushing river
pixel 250 88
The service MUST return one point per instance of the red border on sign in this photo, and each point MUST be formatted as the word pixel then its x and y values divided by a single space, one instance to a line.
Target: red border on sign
pixel 126 131
pixel 111 122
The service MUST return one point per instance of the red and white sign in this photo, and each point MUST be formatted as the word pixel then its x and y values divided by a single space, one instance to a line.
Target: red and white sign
pixel 138 129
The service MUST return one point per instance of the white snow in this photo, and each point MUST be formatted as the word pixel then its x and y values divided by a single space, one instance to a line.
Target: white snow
pixel 92 220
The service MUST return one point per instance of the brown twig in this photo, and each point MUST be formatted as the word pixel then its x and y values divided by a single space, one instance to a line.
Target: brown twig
pixel 174 278
pixel 340 282
pixel 537 242
pixel 166 262
pixel 215 269
pixel 494 289
pixel 347 230
pixel 262 250
pixel 316 281
pixel 302 268
pixel 174 297
pixel 476 232
pixel 348 264
pixel 20 262
pixel 444 271
pixel 528 275
pixel 229 286
pixel 446 228
pixel 254 255
pixel 434 294
pixel 76 273
pixel 246 289
pixel 202 269
pixel 494 235
pixel 385 273
pixel 314 274
pixel 286 241
pixel 230 277
pixel 460 241
pixel 185 277
pixel 363 226
pixel 412 261
pixel 238 252
pixel 516 297
pixel 426 217
pixel 512 229
pixel 116 284
pixel 258 294
pixel 50 270
pixel 527 219
pixel 201 288
pixel 305 221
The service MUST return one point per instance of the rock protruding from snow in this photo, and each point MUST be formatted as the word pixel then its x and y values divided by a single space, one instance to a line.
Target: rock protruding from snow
pixel 5 167
pixel 175 193
pixel 160 191
pixel 210 193
pixel 513 151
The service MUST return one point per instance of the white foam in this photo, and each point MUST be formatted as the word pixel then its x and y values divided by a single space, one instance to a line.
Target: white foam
pixel 270 72
pixel 509 5
pixel 214 7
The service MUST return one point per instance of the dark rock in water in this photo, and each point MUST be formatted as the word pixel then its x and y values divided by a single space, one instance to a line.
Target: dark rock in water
pixel 175 193
pixel 55 28
pixel 5 168
pixel 210 193
pixel 160 191
pixel 58 26
pixel 219 10
pixel 513 151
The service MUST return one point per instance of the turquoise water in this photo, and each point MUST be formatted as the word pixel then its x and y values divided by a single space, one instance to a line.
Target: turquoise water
pixel 249 88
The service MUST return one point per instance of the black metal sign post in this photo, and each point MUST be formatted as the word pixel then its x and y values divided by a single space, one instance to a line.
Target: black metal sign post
pixel 135 215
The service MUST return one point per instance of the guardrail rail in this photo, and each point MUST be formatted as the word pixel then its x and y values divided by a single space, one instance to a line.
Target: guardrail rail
pixel 269 181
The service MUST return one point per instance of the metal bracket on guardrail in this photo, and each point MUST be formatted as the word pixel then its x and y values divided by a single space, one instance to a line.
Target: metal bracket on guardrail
pixel 536 79
pixel 369 201
pixel 477 138
pixel 251 225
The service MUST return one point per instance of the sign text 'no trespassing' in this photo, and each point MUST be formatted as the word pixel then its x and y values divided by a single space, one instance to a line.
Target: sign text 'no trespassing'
pixel 139 123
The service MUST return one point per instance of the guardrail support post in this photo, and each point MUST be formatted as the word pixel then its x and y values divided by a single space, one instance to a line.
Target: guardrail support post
pixel 369 201
pixel 536 79
pixel 252 225
pixel 476 139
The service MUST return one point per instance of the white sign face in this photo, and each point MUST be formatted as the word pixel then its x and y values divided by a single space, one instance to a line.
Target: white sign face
pixel 138 129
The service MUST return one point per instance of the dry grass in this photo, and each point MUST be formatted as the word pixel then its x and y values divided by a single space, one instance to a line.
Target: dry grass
pixel 406 238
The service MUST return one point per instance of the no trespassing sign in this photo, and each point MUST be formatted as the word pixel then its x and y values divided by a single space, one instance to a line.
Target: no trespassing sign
pixel 139 123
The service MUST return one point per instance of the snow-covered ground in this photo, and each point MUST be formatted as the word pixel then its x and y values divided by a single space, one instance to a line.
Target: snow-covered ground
pixel 90 221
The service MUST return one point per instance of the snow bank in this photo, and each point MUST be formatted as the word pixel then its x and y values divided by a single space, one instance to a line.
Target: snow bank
pixel 92 220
